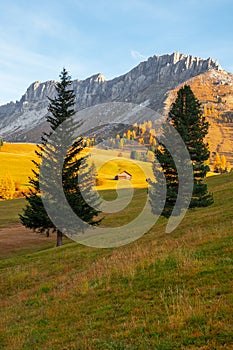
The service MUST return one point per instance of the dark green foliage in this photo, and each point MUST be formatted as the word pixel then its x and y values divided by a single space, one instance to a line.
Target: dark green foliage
pixel 134 155
pixel 166 176
pixel 186 117
pixel 53 155
pixel 1 142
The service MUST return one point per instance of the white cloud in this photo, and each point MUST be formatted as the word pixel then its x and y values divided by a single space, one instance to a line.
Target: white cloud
pixel 137 55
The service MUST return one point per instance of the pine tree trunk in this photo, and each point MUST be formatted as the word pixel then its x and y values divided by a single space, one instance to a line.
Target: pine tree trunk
pixel 59 238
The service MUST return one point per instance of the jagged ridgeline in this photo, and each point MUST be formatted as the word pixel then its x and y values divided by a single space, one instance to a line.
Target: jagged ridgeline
pixel 153 83
pixel 146 84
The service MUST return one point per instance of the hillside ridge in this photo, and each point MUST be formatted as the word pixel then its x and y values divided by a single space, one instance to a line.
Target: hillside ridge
pixel 214 89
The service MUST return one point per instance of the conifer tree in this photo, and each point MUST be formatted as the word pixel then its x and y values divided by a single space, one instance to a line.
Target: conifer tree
pixel 186 117
pixel 34 216
pixel 164 167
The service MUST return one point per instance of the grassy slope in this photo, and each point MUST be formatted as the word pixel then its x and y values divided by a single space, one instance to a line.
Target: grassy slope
pixel 9 211
pixel 108 165
pixel 220 136
pixel 165 291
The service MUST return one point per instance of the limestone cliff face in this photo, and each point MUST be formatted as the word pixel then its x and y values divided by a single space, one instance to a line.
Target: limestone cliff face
pixel 146 84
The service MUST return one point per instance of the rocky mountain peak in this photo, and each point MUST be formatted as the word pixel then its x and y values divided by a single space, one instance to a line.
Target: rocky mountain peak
pixel 188 61
pixel 97 78
pixel 100 78
pixel 147 84
pixel 38 91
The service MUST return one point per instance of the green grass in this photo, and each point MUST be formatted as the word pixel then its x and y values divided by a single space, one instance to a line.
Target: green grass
pixel 164 291
pixel 9 211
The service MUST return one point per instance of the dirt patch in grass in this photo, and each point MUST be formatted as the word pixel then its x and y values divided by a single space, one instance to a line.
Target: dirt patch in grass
pixel 17 238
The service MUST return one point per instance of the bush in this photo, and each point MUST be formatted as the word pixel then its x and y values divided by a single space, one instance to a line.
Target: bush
pixel 99 181
pixel 7 187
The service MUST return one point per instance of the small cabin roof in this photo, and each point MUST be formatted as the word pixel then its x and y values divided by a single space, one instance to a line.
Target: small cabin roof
pixel 124 173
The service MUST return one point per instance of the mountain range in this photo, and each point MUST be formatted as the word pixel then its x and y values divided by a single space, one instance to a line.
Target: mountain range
pixel 153 83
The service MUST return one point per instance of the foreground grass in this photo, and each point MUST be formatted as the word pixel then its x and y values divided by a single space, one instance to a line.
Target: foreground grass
pixel 164 291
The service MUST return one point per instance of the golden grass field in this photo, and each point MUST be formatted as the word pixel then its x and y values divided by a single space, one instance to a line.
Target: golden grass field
pixel 108 165
pixel 16 161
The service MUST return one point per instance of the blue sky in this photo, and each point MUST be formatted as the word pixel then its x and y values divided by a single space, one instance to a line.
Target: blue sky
pixel 38 38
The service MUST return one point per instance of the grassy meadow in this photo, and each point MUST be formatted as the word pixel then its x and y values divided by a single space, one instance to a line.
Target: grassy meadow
pixel 164 291
pixel 16 161
pixel 9 211
pixel 108 165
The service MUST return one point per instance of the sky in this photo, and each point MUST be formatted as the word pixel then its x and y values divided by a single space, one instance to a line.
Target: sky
pixel 39 38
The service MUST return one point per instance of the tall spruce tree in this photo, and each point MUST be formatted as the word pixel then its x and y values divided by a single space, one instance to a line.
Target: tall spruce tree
pixel 186 117
pixel 61 109
pixel 164 169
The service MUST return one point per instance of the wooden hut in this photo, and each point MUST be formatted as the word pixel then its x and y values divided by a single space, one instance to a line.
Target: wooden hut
pixel 123 176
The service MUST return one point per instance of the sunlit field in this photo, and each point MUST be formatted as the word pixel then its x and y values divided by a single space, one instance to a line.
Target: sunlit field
pixel 108 165
pixel 16 161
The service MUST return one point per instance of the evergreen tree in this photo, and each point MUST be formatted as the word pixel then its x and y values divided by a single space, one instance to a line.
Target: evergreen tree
pixel 134 155
pixel 35 217
pixel 164 170
pixel 186 117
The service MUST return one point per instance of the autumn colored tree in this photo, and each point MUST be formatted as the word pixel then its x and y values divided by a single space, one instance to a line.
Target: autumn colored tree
pixel 129 133
pixel 220 164
pixel 223 163
pixel 7 187
pixel 228 167
pixel 121 143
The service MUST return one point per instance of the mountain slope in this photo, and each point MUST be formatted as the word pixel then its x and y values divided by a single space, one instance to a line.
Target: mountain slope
pixel 164 291
pixel 146 84
pixel 214 89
